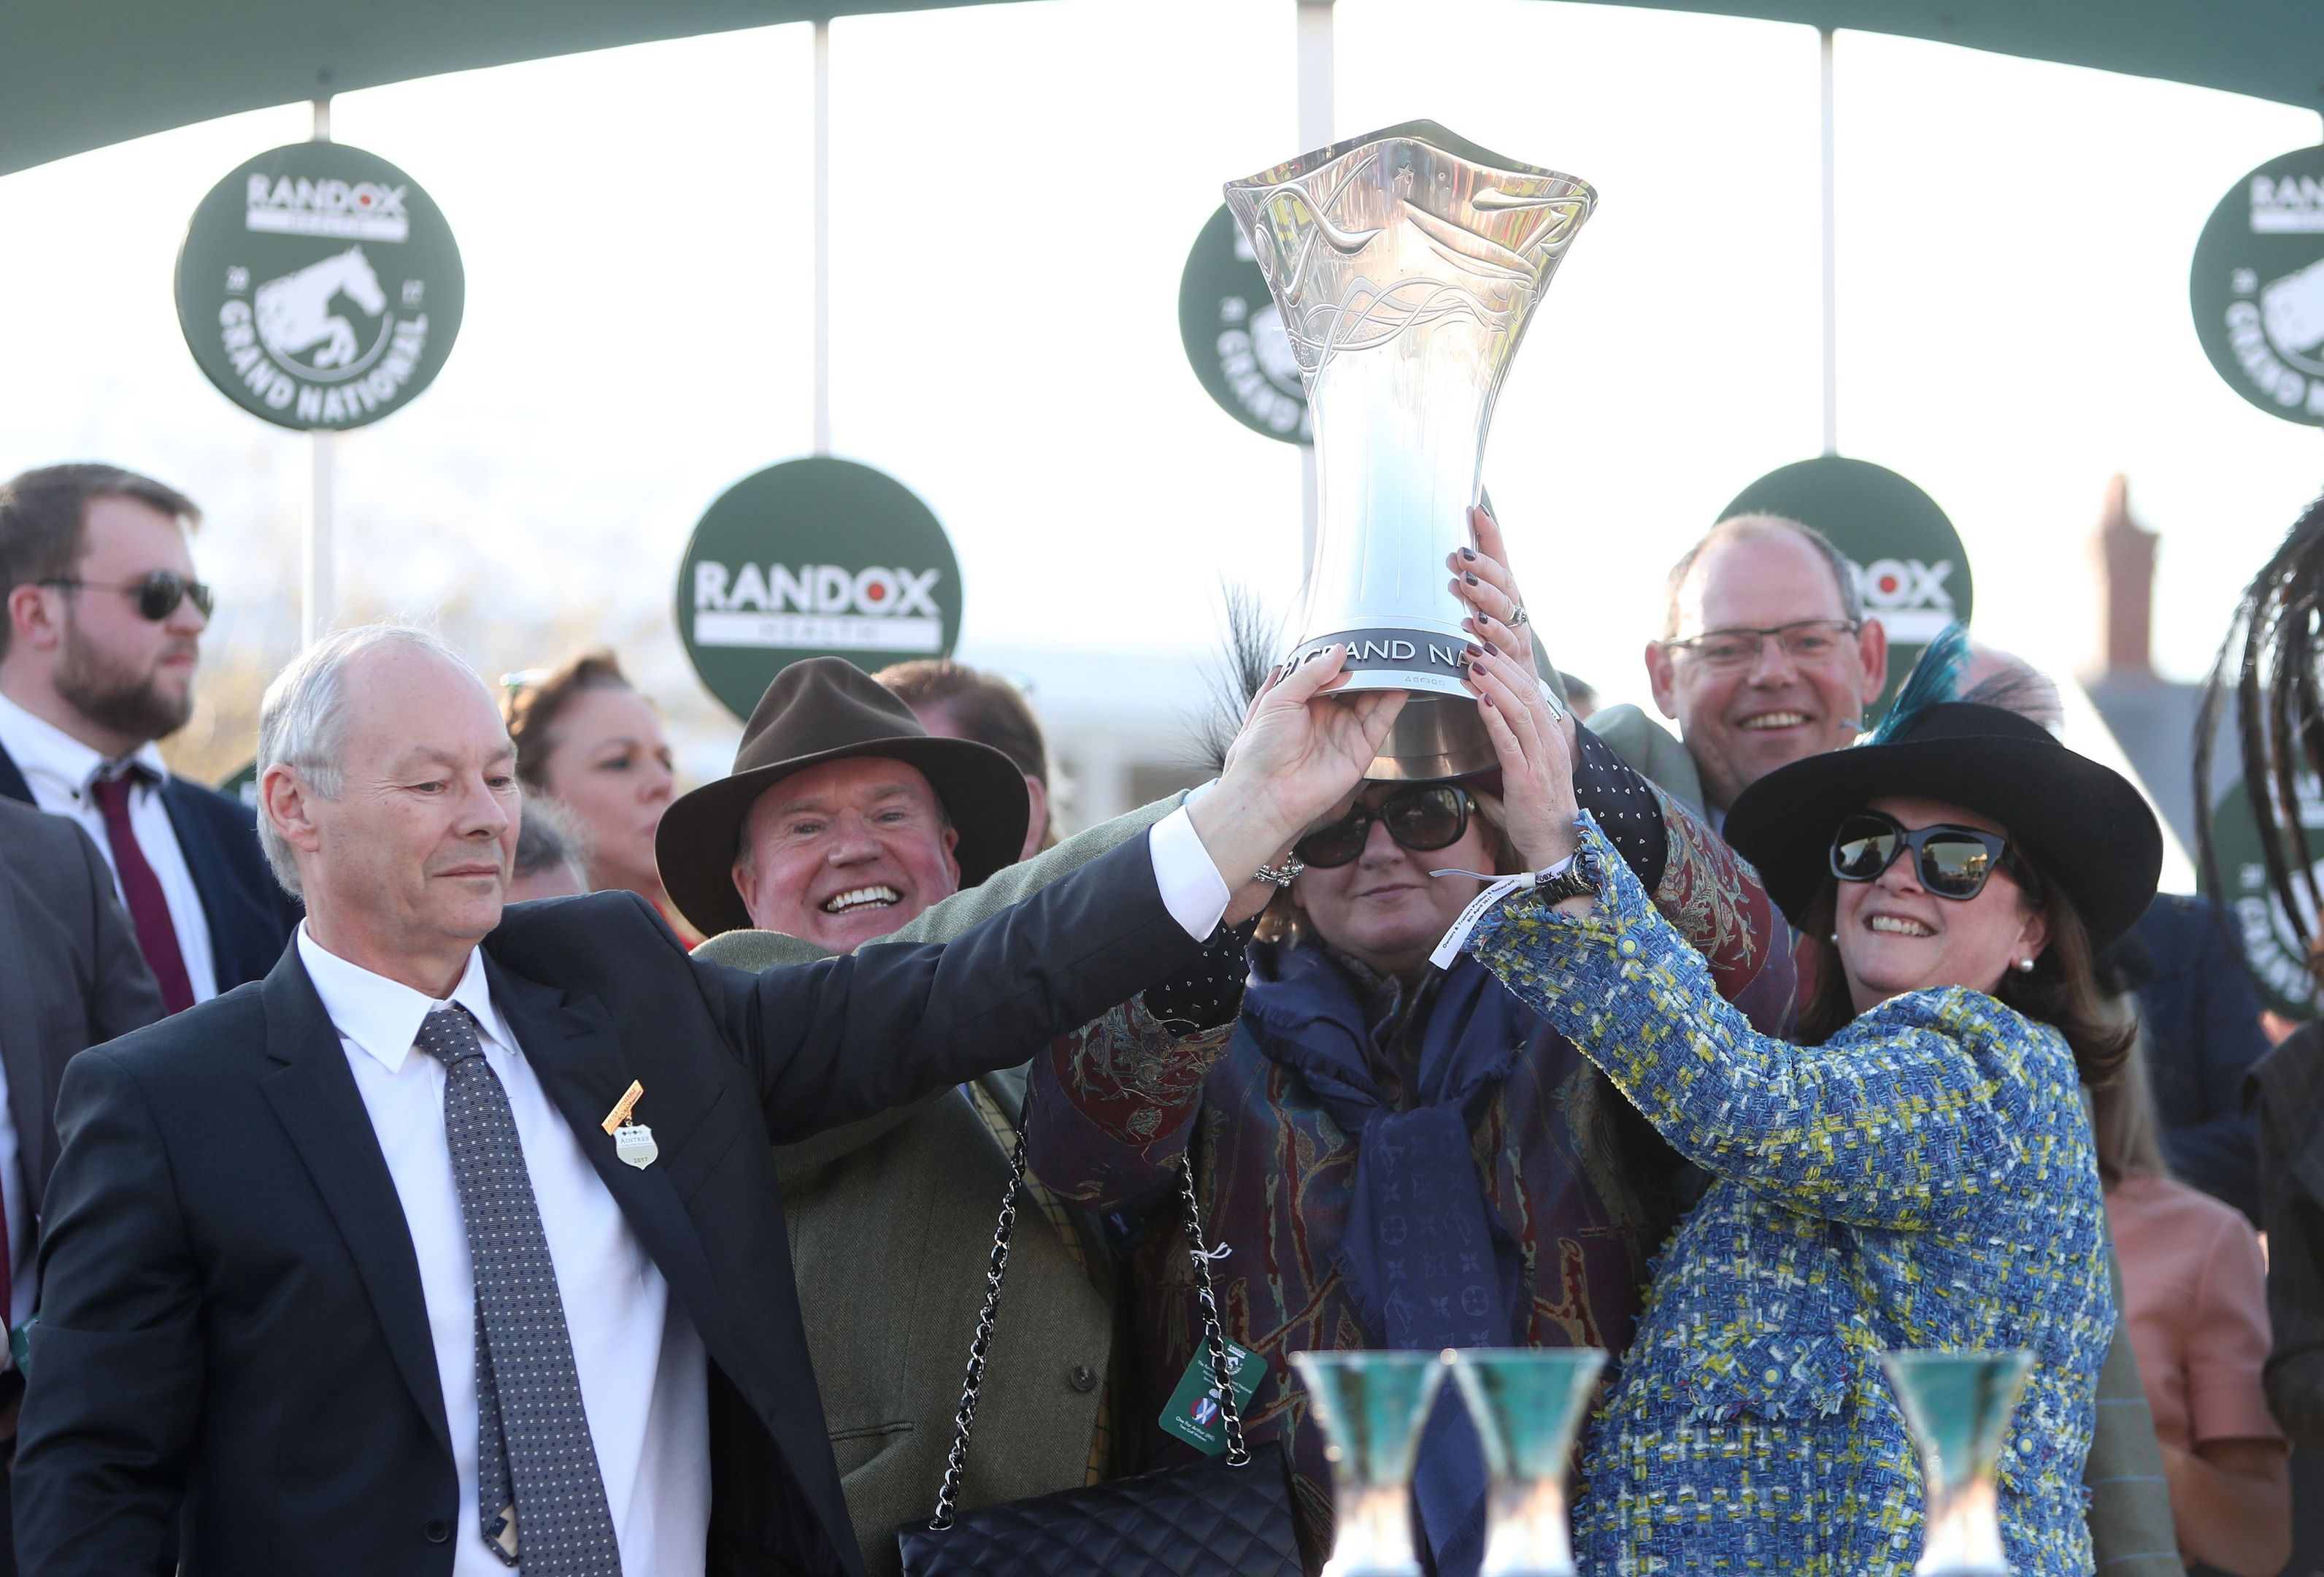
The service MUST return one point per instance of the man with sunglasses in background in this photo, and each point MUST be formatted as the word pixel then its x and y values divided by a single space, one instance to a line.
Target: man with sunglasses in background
pixel 97 653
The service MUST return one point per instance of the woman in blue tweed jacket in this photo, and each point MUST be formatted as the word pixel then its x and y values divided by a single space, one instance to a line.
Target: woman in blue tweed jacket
pixel 1919 1175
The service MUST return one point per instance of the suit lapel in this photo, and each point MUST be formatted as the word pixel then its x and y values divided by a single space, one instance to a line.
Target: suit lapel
pixel 574 1048
pixel 11 779
pixel 30 1101
pixel 220 894
pixel 314 1093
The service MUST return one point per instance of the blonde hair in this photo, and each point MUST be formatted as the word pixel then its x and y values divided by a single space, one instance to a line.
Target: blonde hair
pixel 1284 921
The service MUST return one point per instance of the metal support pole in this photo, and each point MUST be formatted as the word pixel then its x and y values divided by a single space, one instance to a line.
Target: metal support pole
pixel 318 586
pixel 822 224
pixel 1831 265
pixel 1315 124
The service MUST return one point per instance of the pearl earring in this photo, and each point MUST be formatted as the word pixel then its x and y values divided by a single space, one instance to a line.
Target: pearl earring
pixel 2025 966
pixel 1835 938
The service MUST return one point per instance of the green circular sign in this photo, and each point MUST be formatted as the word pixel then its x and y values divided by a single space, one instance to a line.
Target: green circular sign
pixel 319 287
pixel 816 558
pixel 2258 287
pixel 2270 940
pixel 1910 565
pixel 1234 335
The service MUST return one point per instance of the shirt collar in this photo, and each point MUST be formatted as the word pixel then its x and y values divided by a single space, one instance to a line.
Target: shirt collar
pixel 40 749
pixel 383 1016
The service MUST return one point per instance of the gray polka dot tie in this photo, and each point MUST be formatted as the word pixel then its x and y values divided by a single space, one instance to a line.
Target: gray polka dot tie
pixel 539 1495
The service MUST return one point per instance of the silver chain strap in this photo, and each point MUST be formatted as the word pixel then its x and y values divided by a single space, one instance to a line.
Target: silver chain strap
pixel 964 1420
pixel 1215 1339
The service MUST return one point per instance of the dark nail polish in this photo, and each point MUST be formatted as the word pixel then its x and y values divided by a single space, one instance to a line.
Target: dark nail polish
pixel 1467 553
pixel 1467 576
pixel 1493 649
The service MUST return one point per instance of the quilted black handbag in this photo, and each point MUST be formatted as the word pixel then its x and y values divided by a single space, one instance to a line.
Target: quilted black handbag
pixel 1222 1517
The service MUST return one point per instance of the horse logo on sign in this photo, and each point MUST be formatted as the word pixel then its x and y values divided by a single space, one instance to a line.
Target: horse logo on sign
pixel 295 315
pixel 319 287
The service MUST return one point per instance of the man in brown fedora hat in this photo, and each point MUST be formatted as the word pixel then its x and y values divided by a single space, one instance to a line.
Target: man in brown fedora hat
pixel 459 1242
pixel 842 818
pixel 844 823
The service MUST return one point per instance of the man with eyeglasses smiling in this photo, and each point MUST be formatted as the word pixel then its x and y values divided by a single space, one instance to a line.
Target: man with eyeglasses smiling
pixel 1765 657
pixel 97 651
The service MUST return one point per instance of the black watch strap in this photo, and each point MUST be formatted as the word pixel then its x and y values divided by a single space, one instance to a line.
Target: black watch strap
pixel 1581 877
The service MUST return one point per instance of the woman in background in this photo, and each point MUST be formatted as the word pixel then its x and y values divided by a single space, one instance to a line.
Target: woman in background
pixel 2195 1299
pixel 586 739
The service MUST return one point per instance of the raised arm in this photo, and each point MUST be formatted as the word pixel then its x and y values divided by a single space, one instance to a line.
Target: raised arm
pixel 842 1038
pixel 1928 1099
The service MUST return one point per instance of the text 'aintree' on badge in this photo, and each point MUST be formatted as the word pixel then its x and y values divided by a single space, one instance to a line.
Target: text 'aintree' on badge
pixel 319 287
pixel 814 558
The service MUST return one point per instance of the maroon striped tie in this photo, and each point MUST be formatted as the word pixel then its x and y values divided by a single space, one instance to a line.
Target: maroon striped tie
pixel 149 912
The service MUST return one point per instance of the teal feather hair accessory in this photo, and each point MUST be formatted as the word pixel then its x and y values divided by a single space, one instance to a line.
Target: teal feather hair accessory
pixel 1935 679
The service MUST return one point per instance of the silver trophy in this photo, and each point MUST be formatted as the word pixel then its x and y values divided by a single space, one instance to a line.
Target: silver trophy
pixel 1406 264
pixel 1373 1406
pixel 1958 1406
pixel 1526 1404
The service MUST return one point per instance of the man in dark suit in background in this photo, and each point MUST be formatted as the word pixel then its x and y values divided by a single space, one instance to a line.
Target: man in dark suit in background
pixel 102 630
pixel 429 1257
pixel 70 977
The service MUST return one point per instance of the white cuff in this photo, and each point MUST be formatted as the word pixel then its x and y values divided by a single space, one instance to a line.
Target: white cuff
pixel 1192 891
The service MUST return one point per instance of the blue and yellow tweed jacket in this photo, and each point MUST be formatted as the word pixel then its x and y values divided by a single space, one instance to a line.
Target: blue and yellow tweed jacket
pixel 1923 1179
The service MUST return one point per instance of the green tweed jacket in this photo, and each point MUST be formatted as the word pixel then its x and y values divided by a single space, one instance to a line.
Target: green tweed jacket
pixel 890 1222
pixel 2131 1532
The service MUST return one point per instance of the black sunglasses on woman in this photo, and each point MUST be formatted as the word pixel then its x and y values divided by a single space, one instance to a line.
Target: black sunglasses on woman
pixel 1426 815
pixel 1952 861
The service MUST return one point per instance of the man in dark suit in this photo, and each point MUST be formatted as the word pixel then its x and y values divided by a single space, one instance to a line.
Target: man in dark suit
pixel 102 630
pixel 2202 1022
pixel 423 1256
pixel 70 977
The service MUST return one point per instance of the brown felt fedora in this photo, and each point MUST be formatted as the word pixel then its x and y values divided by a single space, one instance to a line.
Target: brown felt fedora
pixel 822 710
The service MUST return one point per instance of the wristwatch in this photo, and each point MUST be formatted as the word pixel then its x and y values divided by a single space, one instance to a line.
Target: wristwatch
pixel 1578 875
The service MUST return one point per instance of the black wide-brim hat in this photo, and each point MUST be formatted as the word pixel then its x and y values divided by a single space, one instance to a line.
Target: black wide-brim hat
pixel 2082 823
pixel 822 710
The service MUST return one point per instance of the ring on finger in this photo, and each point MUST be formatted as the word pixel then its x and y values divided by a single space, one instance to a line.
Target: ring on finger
pixel 1519 616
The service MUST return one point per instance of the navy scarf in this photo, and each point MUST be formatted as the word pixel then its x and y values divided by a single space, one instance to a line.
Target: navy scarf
pixel 1426 1257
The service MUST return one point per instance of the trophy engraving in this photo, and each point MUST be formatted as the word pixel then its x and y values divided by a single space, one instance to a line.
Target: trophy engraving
pixel 1406 265
pixel 1958 1406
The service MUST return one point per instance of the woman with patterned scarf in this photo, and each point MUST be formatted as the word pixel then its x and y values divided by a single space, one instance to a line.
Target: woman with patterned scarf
pixel 1388 1154
pixel 1918 1174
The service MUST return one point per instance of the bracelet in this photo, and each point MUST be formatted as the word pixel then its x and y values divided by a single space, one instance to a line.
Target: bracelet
pixel 1281 875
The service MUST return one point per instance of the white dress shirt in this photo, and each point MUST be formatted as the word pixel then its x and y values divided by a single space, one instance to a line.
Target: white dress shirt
pixel 59 771
pixel 644 1376
pixel 643 1372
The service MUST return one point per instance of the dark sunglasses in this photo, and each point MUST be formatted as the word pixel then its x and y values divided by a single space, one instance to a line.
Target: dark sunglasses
pixel 1427 815
pixel 1953 862
pixel 158 595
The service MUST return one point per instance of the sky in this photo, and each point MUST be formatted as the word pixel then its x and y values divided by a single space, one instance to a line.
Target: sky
pixel 1015 188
